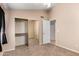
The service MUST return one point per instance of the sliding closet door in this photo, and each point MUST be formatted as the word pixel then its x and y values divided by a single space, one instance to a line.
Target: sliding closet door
pixel 46 31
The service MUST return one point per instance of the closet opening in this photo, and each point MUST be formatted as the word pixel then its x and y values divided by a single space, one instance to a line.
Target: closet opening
pixel 33 32
pixel 21 32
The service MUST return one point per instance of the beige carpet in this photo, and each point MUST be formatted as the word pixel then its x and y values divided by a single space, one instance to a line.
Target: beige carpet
pixel 44 50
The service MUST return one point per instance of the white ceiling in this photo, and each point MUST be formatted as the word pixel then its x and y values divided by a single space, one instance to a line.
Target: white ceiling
pixel 30 6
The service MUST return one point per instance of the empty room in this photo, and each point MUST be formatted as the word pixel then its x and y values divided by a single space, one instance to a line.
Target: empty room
pixel 39 29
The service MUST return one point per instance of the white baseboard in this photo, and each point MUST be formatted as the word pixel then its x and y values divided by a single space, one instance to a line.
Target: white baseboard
pixel 8 50
pixel 1 53
pixel 67 48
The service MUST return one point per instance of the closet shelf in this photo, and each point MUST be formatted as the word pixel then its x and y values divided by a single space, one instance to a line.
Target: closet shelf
pixel 21 34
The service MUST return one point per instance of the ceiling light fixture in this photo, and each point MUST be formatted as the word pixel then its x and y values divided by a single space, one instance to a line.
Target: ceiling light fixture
pixel 48 5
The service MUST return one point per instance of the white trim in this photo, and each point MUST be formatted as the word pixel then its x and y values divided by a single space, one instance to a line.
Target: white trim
pixel 67 48
pixel 8 50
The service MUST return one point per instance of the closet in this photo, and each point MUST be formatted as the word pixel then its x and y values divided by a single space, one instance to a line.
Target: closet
pixel 21 31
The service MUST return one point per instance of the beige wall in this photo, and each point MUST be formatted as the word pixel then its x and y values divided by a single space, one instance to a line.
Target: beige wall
pixel 29 14
pixel 67 25
pixel 9 32
pixel 30 29
pixel 36 28
pixel 9 29
pixel 33 29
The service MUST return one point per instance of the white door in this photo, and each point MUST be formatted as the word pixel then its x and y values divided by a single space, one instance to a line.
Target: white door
pixel 46 31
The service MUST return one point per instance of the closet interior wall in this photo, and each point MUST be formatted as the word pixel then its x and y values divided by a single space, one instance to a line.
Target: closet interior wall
pixel 33 28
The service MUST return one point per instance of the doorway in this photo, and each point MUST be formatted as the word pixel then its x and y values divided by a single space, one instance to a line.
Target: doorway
pixel 21 32
pixel 33 32
pixel 52 31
